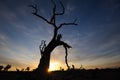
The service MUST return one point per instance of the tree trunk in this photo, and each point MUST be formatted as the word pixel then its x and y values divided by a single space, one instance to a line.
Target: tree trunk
pixel 44 63
pixel 45 59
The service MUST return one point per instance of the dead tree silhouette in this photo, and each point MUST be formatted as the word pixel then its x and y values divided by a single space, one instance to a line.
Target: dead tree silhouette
pixel 56 39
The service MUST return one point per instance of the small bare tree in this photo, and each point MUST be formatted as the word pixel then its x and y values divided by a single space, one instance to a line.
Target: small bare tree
pixel 46 50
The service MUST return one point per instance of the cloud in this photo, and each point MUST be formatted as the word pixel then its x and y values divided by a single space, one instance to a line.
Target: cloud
pixel 91 48
pixel 3 39
pixel 19 22
pixel 16 54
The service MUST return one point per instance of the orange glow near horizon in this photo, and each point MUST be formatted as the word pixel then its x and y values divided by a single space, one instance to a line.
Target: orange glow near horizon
pixel 54 66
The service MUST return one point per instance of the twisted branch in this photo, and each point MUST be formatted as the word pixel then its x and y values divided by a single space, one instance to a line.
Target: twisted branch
pixel 36 13
pixel 66 52
pixel 66 46
pixel 63 24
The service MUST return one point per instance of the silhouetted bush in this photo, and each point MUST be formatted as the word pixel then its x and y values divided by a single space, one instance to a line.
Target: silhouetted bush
pixel 17 70
pixel 22 69
pixel 7 67
pixel 27 69
pixel 73 67
pixel 1 67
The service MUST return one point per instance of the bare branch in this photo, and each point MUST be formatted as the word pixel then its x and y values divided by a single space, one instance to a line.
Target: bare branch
pixel 36 13
pixel 66 52
pixel 54 8
pixel 63 43
pixel 63 9
pixel 63 24
pixel 52 20
pixel 34 7
pixel 66 46
pixel 42 18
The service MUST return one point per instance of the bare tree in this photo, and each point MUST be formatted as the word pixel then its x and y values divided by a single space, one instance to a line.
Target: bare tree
pixel 46 50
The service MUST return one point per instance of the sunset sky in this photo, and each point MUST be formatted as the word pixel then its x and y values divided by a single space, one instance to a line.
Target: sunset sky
pixel 95 40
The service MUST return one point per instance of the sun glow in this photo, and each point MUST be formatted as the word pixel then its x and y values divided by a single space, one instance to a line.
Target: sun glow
pixel 54 66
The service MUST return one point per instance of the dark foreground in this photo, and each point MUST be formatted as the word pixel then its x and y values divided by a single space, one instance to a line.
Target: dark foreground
pixel 96 74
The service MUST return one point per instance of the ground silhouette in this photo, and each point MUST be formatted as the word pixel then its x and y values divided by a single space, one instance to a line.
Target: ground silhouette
pixel 71 74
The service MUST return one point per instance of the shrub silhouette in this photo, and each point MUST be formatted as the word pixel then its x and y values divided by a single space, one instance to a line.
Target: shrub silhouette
pixel 27 69
pixel 7 67
pixel 17 70
pixel 1 67
pixel 22 69
pixel 73 67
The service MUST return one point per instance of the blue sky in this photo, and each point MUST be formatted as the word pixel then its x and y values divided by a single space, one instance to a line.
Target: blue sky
pixel 95 40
